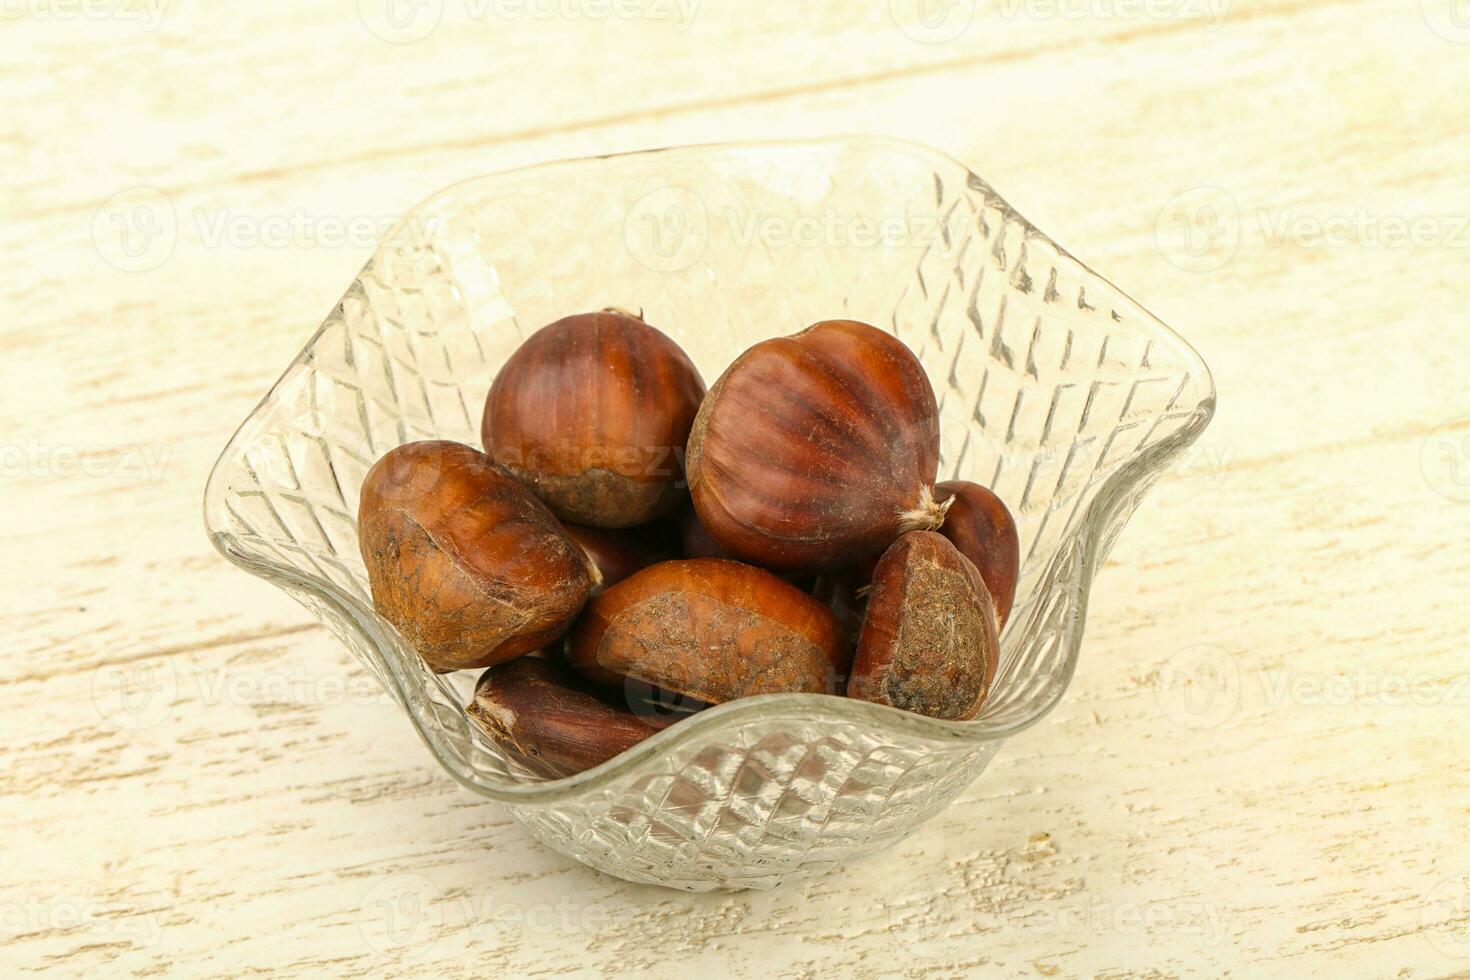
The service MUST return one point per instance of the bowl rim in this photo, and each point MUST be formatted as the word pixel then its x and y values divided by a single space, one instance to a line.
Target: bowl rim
pixel 1086 554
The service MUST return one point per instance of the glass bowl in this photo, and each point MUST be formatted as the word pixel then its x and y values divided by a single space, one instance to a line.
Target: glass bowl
pixel 1055 389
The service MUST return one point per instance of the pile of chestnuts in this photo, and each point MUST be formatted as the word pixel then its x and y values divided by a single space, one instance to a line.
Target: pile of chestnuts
pixel 630 548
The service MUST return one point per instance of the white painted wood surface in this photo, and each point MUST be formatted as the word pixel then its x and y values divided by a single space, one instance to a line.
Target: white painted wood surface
pixel 1307 569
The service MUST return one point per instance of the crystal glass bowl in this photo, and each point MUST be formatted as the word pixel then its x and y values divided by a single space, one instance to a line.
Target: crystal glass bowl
pixel 1055 389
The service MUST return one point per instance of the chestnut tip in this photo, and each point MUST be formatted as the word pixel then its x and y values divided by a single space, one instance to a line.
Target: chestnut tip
pixel 929 515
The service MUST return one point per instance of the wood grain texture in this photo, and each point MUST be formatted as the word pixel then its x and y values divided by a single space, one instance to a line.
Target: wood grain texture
pixel 1302 810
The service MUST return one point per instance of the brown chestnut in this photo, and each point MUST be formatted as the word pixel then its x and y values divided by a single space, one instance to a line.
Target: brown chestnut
pixel 709 629
pixel 470 567
pixel 618 553
pixel 552 721
pixel 929 641
pixel 593 412
pixel 816 450
pixel 982 528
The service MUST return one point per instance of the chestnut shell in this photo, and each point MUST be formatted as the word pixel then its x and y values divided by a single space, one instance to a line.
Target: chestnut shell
pixel 470 567
pixel 929 642
pixel 593 413
pixel 552 721
pixel 816 450
pixel 709 629
pixel 982 528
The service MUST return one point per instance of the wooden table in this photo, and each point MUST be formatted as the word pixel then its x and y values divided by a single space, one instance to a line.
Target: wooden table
pixel 1260 767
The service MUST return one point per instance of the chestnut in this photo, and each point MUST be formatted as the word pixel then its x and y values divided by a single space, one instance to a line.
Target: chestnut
pixel 469 566
pixel 710 629
pixel 929 642
pixel 552 721
pixel 816 450
pixel 982 528
pixel 618 553
pixel 593 412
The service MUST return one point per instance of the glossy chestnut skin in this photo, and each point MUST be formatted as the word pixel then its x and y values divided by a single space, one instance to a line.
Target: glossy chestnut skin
pixel 929 642
pixel 982 528
pixel 709 629
pixel 816 450
pixel 618 553
pixel 463 560
pixel 552 721
pixel 592 412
